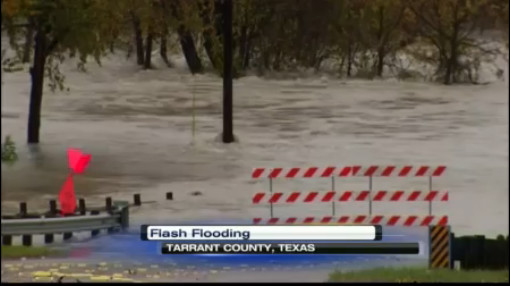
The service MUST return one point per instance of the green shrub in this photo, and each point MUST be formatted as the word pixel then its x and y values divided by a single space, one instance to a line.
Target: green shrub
pixel 9 154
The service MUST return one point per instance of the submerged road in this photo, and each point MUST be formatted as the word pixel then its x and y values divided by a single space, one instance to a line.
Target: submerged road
pixel 125 257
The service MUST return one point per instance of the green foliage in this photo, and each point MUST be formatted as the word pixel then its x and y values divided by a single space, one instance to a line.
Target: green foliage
pixel 403 275
pixel 9 154
pixel 72 28
pixel 453 28
pixel 268 34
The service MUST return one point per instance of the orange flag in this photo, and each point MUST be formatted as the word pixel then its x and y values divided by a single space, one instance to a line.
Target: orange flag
pixel 66 197
pixel 78 162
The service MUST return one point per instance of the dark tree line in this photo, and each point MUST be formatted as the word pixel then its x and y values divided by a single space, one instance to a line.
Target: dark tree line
pixel 363 36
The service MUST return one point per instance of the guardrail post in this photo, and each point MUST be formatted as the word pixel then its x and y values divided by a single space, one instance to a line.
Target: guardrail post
pixel 7 240
pixel 53 207
pixel 82 207
pixel 95 231
pixel 109 205
pixel 68 235
pixel 111 211
pixel 48 238
pixel 124 213
pixel 23 209
pixel 137 200
pixel 26 240
pixel 169 196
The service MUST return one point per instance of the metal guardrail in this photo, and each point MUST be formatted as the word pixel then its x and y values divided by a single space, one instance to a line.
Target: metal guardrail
pixel 116 218
pixel 60 225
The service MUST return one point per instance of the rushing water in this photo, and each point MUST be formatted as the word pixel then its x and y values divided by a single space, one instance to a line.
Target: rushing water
pixel 138 127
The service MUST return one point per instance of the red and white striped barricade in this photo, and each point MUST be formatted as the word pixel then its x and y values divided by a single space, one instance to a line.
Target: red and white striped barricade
pixel 369 195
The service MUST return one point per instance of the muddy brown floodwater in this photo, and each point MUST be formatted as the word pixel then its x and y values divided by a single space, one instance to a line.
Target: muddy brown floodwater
pixel 137 126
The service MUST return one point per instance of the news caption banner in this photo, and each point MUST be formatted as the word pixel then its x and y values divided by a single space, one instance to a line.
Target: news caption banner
pixel 275 239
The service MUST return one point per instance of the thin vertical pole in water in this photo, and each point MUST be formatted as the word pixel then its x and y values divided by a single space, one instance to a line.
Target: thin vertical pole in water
pixel 370 196
pixel 430 190
pixel 333 189
pixel 193 120
pixel 271 191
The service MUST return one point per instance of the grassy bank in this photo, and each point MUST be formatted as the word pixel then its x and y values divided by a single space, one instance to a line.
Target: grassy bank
pixel 419 275
pixel 16 251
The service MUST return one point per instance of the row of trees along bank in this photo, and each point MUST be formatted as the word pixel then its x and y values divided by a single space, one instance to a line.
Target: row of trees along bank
pixel 268 35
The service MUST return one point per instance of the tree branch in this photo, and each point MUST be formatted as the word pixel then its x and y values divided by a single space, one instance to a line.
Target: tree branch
pixel 55 41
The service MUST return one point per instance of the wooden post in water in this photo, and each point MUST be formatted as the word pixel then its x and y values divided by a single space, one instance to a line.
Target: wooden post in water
pixel 137 200
pixel 22 209
pixel 53 208
pixel 82 207
pixel 109 205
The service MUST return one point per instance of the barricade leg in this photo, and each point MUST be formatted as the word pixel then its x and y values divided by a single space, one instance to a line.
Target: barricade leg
pixel 439 247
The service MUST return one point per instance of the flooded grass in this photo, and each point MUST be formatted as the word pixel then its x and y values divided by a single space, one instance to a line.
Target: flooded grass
pixel 17 251
pixel 410 275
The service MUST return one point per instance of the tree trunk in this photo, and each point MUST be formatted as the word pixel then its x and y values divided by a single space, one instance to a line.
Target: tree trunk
pixel 29 39
pixel 448 74
pixel 163 36
pixel 246 42
pixel 381 43
pixel 228 129
pixel 380 61
pixel 36 92
pixel 190 51
pixel 212 31
pixel 148 50
pixel 138 39
pixel 218 17
pixel 342 62
pixel 187 43
pixel 163 49
pixel 266 59
pixel 247 53
pixel 451 63
pixel 243 44
pixel 349 59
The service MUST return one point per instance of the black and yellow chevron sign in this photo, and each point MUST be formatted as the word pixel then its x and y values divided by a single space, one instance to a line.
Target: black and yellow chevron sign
pixel 439 246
